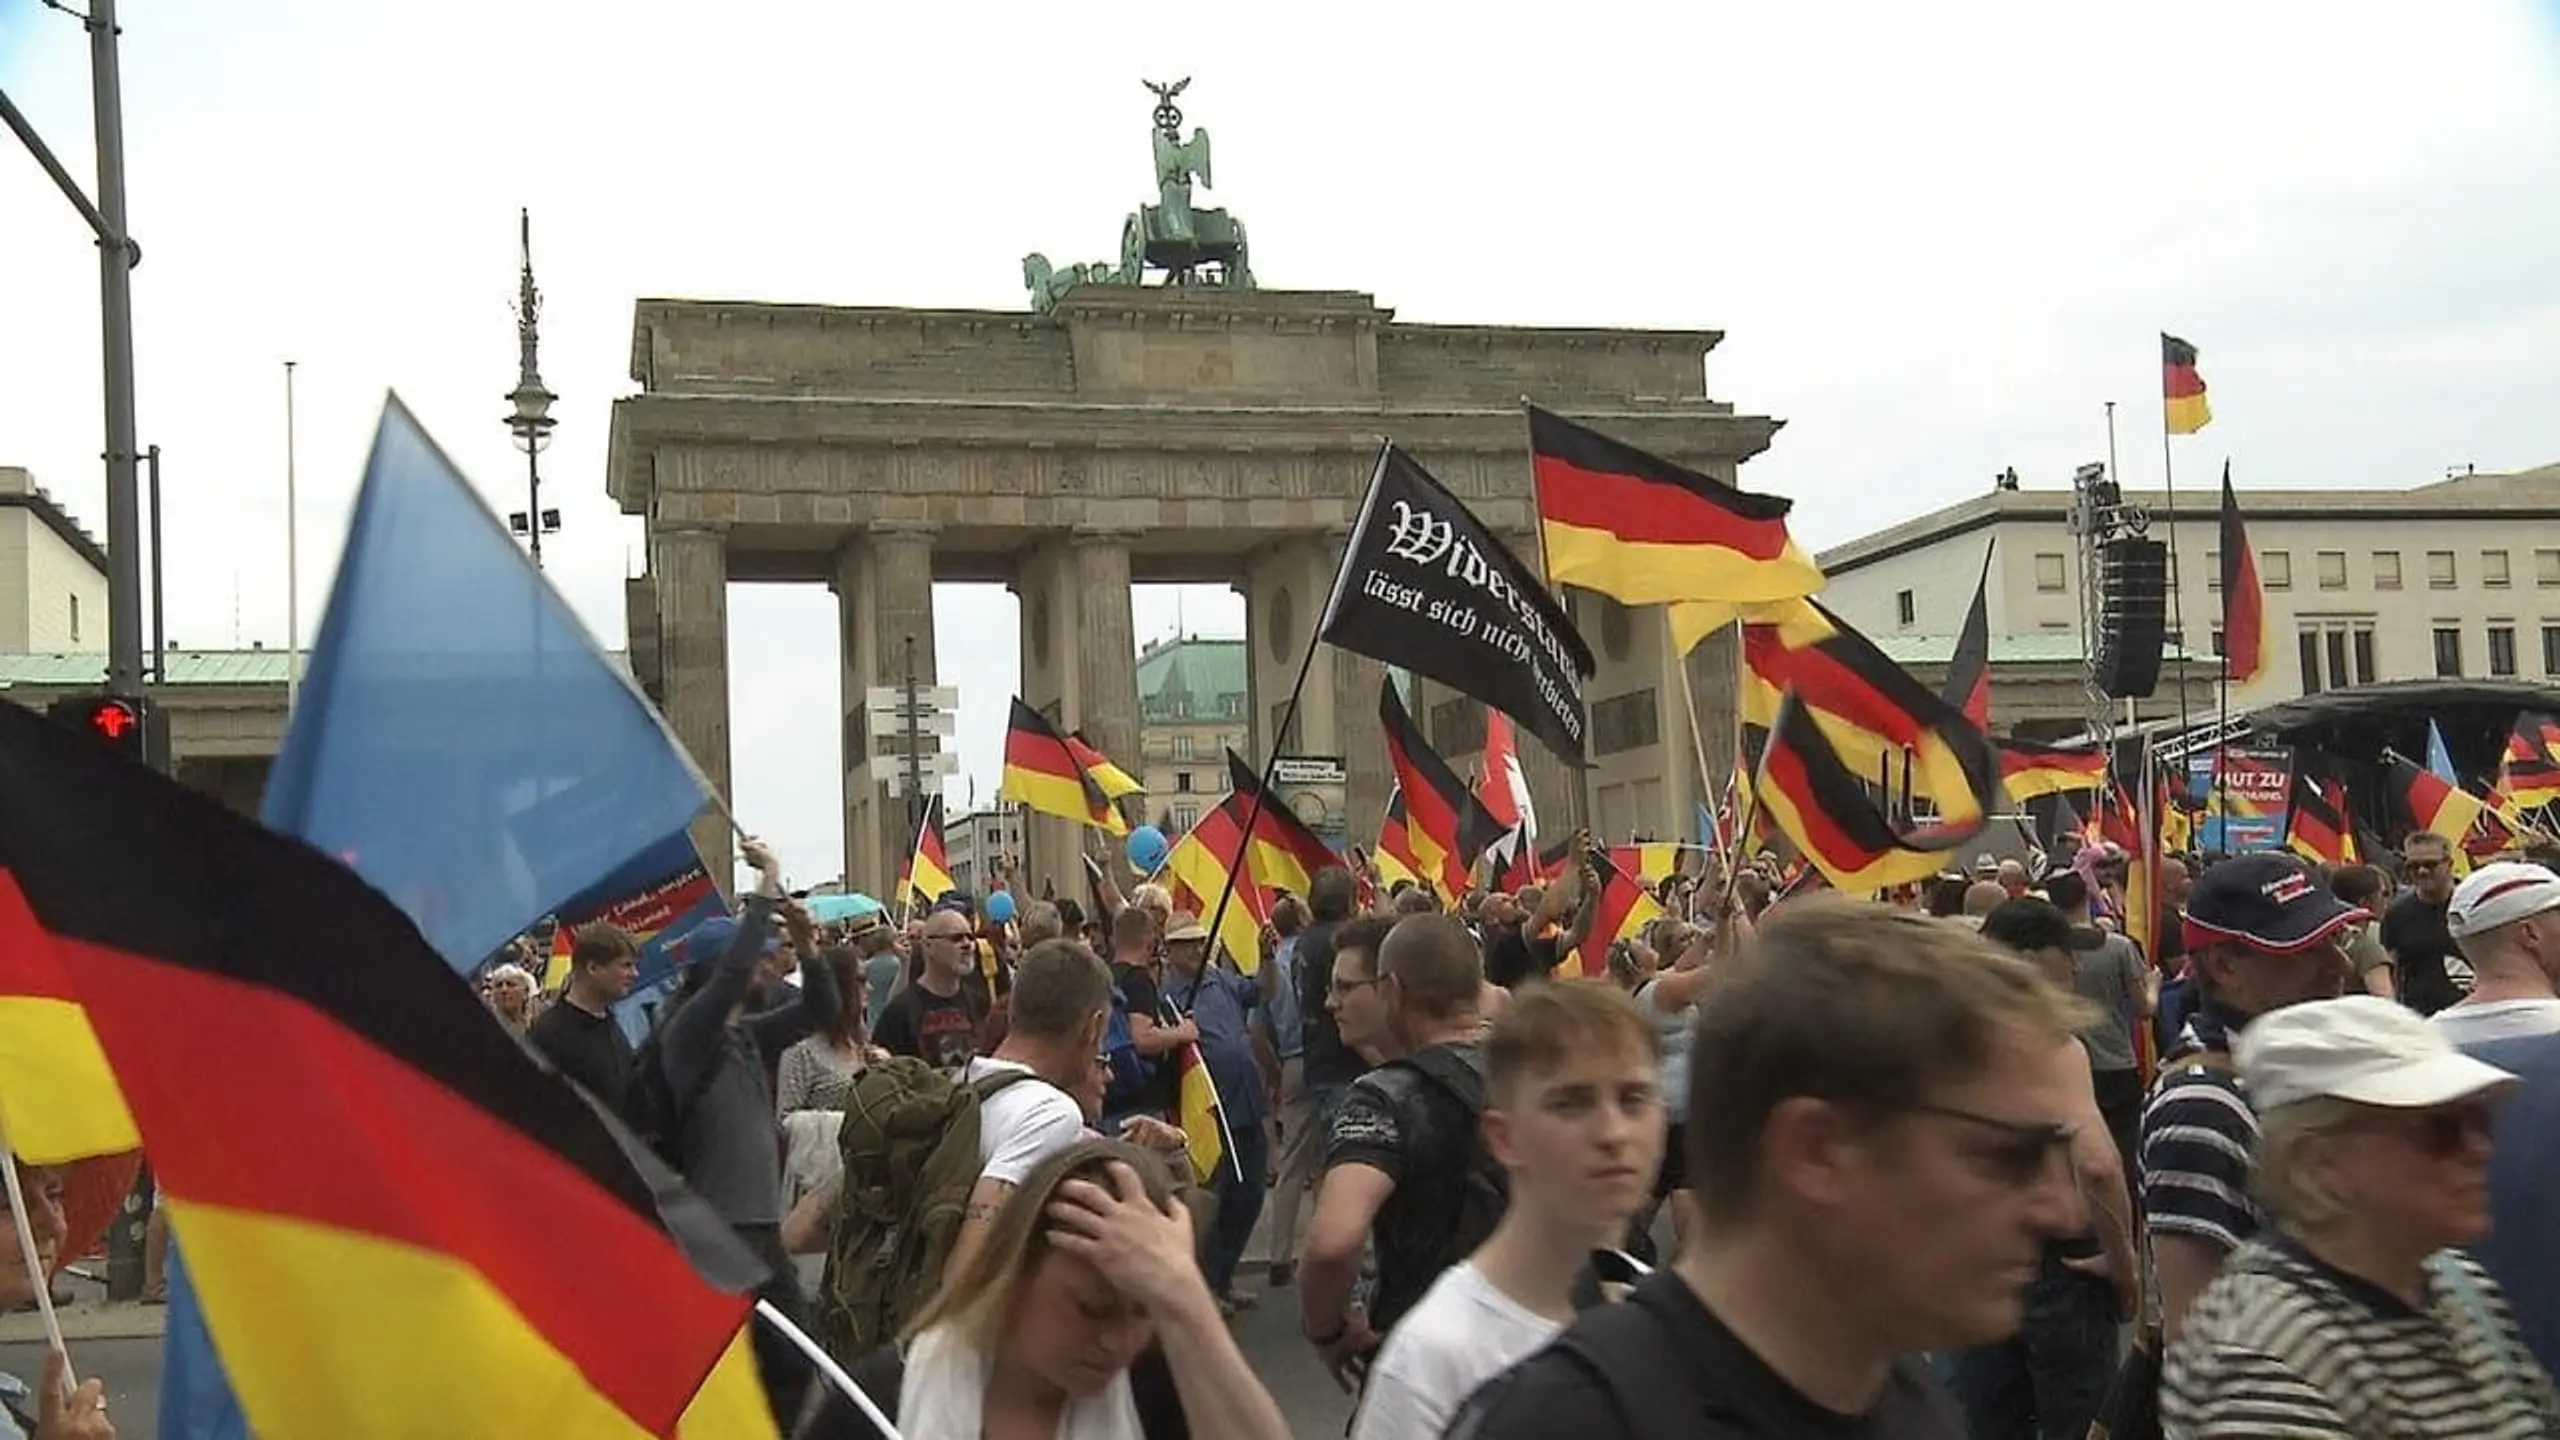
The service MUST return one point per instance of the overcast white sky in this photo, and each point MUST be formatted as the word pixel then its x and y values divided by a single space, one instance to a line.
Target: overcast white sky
pixel 1938 238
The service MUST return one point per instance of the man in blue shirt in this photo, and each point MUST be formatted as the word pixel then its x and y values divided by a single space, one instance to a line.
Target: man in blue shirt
pixel 1220 1003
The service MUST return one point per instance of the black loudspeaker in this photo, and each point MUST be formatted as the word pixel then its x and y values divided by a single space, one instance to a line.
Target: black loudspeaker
pixel 2133 616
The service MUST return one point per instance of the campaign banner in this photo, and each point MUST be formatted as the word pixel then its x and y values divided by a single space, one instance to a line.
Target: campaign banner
pixel 659 897
pixel 2243 791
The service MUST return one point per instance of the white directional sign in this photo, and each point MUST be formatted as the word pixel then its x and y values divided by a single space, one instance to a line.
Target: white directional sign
pixel 935 711
pixel 932 767
pixel 1310 770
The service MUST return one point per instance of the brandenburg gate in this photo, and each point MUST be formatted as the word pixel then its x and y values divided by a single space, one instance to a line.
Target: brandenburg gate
pixel 1161 419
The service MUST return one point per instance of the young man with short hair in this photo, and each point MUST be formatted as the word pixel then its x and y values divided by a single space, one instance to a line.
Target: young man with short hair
pixel 2425 962
pixel 1404 1152
pixel 1574 1118
pixel 1876 1141
pixel 580 1036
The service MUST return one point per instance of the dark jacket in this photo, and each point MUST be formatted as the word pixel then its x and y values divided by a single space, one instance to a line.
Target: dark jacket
pixel 727 1136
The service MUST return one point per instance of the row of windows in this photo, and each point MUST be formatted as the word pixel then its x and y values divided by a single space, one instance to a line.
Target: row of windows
pixel 2450 660
pixel 2329 570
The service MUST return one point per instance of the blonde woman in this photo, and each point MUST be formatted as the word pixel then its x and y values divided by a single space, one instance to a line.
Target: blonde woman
pixel 2354 1316
pixel 509 990
pixel 1081 1316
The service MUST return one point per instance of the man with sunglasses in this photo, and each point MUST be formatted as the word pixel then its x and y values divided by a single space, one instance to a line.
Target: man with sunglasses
pixel 2262 933
pixel 2429 968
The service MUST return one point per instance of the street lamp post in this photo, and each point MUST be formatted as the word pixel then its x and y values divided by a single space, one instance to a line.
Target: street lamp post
pixel 531 420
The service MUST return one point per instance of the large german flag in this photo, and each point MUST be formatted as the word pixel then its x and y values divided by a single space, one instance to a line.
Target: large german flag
pixel 1644 531
pixel 57 1095
pixel 2028 770
pixel 2529 773
pixel 2315 820
pixel 351 1152
pixel 2244 605
pixel 1880 719
pixel 2182 404
pixel 926 875
pixel 1828 811
pixel 1265 851
pixel 1042 772
pixel 1445 826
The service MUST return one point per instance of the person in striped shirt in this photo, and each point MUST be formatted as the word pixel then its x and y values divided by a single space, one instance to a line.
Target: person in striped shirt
pixel 2262 933
pixel 2352 1315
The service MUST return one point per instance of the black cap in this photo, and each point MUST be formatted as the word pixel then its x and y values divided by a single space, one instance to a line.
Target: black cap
pixel 2266 902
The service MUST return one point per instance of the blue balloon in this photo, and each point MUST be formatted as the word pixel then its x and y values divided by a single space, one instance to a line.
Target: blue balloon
pixel 1147 847
pixel 1000 907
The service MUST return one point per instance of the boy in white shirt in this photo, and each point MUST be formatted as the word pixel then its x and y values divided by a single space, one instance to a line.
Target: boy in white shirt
pixel 1574 1116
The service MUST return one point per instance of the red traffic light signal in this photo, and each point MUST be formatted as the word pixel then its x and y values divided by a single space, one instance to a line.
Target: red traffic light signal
pixel 118 722
pixel 128 726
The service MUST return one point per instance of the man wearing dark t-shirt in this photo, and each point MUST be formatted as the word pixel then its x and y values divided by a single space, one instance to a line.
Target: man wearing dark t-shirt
pixel 1330 1065
pixel 580 1035
pixel 2429 969
pixel 936 1019
pixel 1869 1185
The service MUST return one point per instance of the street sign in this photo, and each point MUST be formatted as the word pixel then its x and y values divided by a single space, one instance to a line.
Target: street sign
pixel 933 767
pixel 929 698
pixel 1310 770
pixel 886 728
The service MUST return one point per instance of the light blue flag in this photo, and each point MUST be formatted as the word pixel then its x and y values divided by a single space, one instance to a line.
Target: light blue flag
pixel 196 1402
pixel 2439 759
pixel 459 740
pixel 1707 829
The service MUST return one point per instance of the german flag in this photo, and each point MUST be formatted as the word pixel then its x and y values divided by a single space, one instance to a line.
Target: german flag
pixel 1553 857
pixel 2316 820
pixel 1798 622
pixel 2244 606
pixel 1397 864
pixel 58 1096
pixel 350 1153
pixel 1043 773
pixel 1644 531
pixel 2438 805
pixel 1625 907
pixel 2529 774
pixel 926 875
pixel 2182 404
pixel 1968 683
pixel 1203 1113
pixel 1652 862
pixel 1877 715
pixel 2028 770
pixel 1445 826
pixel 1827 810
pixel 1113 781
pixel 1265 853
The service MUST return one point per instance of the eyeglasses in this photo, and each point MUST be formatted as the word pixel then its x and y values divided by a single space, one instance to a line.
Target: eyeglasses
pixel 1345 987
pixel 2446 1130
pixel 2023 1154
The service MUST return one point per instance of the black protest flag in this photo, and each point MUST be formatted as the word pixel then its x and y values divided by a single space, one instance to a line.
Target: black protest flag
pixel 1425 586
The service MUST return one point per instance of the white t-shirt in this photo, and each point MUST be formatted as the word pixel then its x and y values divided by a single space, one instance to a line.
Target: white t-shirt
pixel 2469 1024
pixel 1462 1333
pixel 1022 1124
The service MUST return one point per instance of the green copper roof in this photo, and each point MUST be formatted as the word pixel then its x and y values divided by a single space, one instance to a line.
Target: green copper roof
pixel 79 670
pixel 1191 679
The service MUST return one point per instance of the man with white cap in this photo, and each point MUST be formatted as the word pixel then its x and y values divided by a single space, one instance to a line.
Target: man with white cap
pixel 2261 934
pixel 2503 917
pixel 2351 1314
pixel 2506 918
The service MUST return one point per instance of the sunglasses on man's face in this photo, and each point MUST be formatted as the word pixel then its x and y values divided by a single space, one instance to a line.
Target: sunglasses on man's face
pixel 2020 1152
pixel 2446 1130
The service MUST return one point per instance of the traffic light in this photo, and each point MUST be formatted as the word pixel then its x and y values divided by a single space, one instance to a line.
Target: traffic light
pixel 134 729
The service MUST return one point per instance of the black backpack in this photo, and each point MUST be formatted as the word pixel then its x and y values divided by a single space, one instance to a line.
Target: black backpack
pixel 1630 1351
pixel 1479 1190
pixel 651 1107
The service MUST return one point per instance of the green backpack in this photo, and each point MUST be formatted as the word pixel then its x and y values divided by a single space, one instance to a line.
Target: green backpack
pixel 910 1146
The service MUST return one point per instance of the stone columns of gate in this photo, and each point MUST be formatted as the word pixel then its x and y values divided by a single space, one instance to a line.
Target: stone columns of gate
pixel 1079 668
pixel 884 595
pixel 691 568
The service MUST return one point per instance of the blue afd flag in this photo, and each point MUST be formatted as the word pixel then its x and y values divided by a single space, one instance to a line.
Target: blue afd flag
pixel 196 1402
pixel 459 740
pixel 658 897
pixel 2439 759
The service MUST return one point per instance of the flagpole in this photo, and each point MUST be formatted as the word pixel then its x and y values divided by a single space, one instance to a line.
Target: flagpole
pixel 27 1254
pixel 2222 710
pixel 2177 572
pixel 1577 795
pixel 1697 738
pixel 826 1366
pixel 292 557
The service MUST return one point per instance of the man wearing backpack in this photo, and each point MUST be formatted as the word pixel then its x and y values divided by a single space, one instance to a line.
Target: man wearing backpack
pixel 1405 1162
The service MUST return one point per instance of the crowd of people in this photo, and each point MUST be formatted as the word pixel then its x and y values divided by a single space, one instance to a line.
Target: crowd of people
pixel 1787 1163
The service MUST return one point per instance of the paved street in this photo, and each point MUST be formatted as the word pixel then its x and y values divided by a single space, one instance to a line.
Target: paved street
pixel 131 1365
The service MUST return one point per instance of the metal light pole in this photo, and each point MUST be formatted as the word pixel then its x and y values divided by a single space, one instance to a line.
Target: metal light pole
pixel 117 255
pixel 531 420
